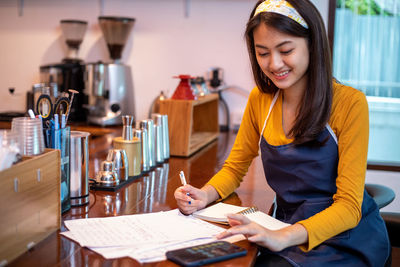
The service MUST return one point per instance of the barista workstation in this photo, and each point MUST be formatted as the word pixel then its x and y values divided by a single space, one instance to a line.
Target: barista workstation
pixel 137 198
pixel 100 162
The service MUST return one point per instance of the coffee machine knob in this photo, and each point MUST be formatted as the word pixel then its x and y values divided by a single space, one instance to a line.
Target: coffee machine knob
pixel 115 108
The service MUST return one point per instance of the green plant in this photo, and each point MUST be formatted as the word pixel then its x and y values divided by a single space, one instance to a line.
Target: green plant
pixel 363 7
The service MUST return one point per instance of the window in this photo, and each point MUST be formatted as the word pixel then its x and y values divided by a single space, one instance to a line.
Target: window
pixel 366 56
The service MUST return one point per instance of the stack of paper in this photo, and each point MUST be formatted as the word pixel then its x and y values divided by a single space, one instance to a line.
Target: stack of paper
pixel 144 237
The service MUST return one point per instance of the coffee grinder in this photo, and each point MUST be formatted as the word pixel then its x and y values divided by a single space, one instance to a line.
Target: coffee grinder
pixel 109 85
pixel 69 74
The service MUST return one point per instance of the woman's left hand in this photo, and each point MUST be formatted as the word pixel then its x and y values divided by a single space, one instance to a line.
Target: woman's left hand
pixel 274 240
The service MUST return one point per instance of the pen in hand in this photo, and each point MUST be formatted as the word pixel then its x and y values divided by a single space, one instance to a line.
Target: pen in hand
pixel 183 181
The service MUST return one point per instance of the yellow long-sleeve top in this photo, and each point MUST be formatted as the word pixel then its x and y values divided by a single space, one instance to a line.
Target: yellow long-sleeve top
pixel 349 121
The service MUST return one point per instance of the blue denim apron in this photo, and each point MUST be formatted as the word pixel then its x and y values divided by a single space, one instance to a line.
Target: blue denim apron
pixel 304 180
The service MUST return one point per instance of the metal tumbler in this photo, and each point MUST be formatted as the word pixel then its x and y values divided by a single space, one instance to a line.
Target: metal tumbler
pixel 79 160
pixel 149 126
pixel 159 143
pixel 162 120
pixel 142 135
pixel 165 136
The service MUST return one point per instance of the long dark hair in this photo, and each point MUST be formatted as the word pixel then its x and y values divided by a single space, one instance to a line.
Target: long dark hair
pixel 315 105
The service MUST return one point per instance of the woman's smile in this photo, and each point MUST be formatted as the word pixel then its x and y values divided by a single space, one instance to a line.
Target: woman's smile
pixel 281 75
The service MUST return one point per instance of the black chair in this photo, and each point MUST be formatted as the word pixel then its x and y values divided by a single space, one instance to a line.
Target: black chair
pixel 383 196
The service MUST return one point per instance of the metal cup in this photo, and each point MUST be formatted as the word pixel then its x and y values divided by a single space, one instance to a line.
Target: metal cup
pixel 120 160
pixel 149 126
pixel 79 159
pixel 142 135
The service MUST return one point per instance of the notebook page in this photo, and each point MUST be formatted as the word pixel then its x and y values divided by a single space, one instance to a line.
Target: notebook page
pixel 266 221
pixel 217 212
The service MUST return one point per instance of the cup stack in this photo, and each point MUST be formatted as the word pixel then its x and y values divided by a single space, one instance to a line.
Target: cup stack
pixel 30 133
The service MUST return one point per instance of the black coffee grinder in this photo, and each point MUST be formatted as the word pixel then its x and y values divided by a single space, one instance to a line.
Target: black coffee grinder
pixel 69 74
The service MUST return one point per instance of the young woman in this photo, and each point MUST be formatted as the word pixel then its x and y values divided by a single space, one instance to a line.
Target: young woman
pixel 312 134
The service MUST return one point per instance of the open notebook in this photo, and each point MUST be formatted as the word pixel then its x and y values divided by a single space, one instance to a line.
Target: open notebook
pixel 217 213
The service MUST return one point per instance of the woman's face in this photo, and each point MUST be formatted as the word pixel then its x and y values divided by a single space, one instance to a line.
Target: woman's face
pixel 283 58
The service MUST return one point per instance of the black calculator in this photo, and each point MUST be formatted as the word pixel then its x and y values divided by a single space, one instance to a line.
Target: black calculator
pixel 205 254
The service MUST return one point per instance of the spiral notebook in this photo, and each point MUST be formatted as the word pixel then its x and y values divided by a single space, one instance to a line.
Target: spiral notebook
pixel 217 214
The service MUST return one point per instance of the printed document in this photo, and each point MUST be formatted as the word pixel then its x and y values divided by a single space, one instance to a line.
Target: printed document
pixel 144 237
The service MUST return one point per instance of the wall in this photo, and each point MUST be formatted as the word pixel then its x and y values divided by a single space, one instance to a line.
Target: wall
pixel 163 43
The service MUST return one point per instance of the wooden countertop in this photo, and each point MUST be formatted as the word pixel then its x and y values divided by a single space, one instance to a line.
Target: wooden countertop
pixel 150 193
pixel 93 130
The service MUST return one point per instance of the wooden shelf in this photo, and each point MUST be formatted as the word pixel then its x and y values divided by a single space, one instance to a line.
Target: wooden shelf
pixel 192 124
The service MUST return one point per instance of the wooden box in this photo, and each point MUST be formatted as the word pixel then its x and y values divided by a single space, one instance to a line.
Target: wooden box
pixel 192 124
pixel 30 207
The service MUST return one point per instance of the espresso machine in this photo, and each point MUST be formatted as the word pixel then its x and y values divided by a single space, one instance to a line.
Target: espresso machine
pixel 109 86
pixel 69 74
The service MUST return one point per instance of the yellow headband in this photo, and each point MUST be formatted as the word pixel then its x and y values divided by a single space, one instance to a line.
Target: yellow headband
pixel 281 7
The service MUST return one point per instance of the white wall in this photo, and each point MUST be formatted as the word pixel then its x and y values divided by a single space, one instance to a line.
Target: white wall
pixel 163 43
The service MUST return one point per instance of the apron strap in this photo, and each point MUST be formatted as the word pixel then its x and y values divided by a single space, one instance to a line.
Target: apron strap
pixel 332 133
pixel 269 112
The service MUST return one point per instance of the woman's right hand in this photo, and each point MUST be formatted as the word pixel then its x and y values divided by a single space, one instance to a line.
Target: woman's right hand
pixel 190 199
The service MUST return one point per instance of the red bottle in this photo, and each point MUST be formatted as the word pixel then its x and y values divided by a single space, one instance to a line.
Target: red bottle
pixel 184 91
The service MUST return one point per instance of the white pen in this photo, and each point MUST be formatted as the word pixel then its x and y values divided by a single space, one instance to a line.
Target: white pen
pixel 183 181
pixel 31 114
